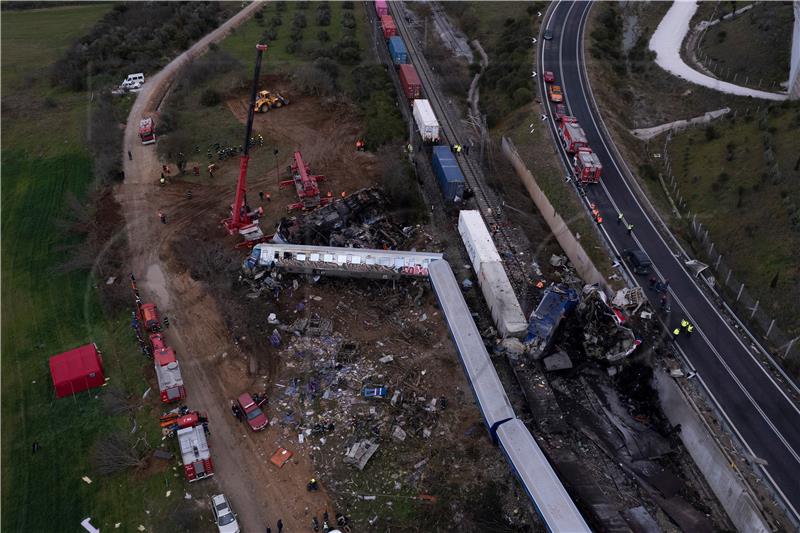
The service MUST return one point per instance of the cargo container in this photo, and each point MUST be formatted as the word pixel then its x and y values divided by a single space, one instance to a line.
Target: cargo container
pixel 448 173
pixel 426 122
pixel 492 278
pixel 397 49
pixel 477 240
pixel 381 8
pixel 388 26
pixel 409 79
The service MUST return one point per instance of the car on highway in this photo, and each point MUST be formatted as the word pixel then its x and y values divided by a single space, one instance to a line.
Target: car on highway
pixel 555 94
pixel 548 34
pixel 560 112
pixel 638 261
pixel 256 418
pixel 224 516
pixel 549 77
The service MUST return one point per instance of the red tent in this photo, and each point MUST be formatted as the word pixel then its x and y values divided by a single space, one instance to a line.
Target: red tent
pixel 77 370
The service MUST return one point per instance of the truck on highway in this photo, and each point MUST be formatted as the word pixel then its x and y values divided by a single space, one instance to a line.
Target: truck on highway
pixel 426 122
pixel 586 165
pixel 571 134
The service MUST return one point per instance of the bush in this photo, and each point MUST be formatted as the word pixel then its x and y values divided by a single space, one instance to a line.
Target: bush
pixel 294 47
pixel 323 36
pixel 347 5
pixel 328 66
pixel 323 18
pixel 276 21
pixel 210 98
pixel 711 133
pixel 299 20
pixel 296 35
pixel 348 20
pixel 347 51
pixel 522 96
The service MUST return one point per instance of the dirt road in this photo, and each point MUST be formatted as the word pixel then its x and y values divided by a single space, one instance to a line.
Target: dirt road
pixel 260 493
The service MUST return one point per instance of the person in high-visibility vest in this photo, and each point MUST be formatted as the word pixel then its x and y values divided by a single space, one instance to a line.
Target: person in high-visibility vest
pixel 684 323
pixel 630 229
pixel 619 218
pixel 689 329
pixel 676 332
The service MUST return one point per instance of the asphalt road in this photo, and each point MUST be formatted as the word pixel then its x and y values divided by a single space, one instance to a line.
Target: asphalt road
pixel 765 419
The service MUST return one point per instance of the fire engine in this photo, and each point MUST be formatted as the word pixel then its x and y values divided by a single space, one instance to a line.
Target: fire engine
pixel 147 130
pixel 572 135
pixel 587 166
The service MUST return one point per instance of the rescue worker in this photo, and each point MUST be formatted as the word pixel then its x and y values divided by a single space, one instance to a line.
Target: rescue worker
pixel 599 220
pixel 261 195
pixel 130 156
pixel 676 332
pixel 269 198
pixel 196 170
pixel 466 150
pixel 163 180
pixel 312 485
pixel 344 194
pixel 162 217
pixel 689 330
pixel 652 281
pixel 630 229
pixel 619 218
pixel 684 323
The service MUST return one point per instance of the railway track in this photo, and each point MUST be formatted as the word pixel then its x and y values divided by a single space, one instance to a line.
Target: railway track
pixel 485 199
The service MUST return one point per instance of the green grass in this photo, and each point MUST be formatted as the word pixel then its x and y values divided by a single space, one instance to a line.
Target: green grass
pixel 755 44
pixel 754 235
pixel 33 39
pixel 241 44
pixel 43 312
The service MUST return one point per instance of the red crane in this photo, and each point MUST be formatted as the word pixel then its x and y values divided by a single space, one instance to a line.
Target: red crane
pixel 243 220
pixel 305 184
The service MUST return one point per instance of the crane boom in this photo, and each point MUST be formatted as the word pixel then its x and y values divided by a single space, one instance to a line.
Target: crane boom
pixel 240 216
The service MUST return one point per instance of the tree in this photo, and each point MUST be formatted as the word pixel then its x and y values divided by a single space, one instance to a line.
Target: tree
pixel 210 98
pixel 116 452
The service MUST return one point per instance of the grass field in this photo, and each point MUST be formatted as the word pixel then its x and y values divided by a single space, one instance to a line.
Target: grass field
pixel 26 52
pixel 241 44
pixel 726 180
pixel 754 47
pixel 43 312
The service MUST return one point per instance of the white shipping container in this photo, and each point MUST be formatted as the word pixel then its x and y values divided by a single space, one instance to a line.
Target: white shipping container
pixel 502 302
pixel 424 117
pixel 477 240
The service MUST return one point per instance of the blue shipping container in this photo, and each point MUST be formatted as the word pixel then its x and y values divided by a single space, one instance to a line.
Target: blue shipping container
pixel 448 173
pixel 397 49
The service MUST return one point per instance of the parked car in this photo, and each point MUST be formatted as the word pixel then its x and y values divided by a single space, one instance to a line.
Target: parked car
pixel 549 77
pixel 252 412
pixel 638 260
pixel 556 95
pixel 224 516
pixel 375 392
pixel 548 34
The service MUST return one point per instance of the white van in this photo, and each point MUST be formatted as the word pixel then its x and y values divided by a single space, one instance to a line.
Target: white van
pixel 133 81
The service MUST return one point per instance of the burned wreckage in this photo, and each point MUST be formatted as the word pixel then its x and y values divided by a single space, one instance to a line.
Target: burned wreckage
pixel 605 333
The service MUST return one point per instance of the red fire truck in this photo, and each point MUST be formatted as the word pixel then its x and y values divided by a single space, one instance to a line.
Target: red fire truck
pixel 572 135
pixel 587 166
pixel 147 130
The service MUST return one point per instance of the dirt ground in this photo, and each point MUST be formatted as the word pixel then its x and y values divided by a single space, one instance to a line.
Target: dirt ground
pixel 189 267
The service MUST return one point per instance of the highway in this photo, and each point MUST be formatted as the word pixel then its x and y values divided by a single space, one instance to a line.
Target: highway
pixel 754 405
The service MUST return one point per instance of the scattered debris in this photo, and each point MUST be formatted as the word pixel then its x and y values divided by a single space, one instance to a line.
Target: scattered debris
pixel 360 452
pixel 281 457
pixel 557 361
